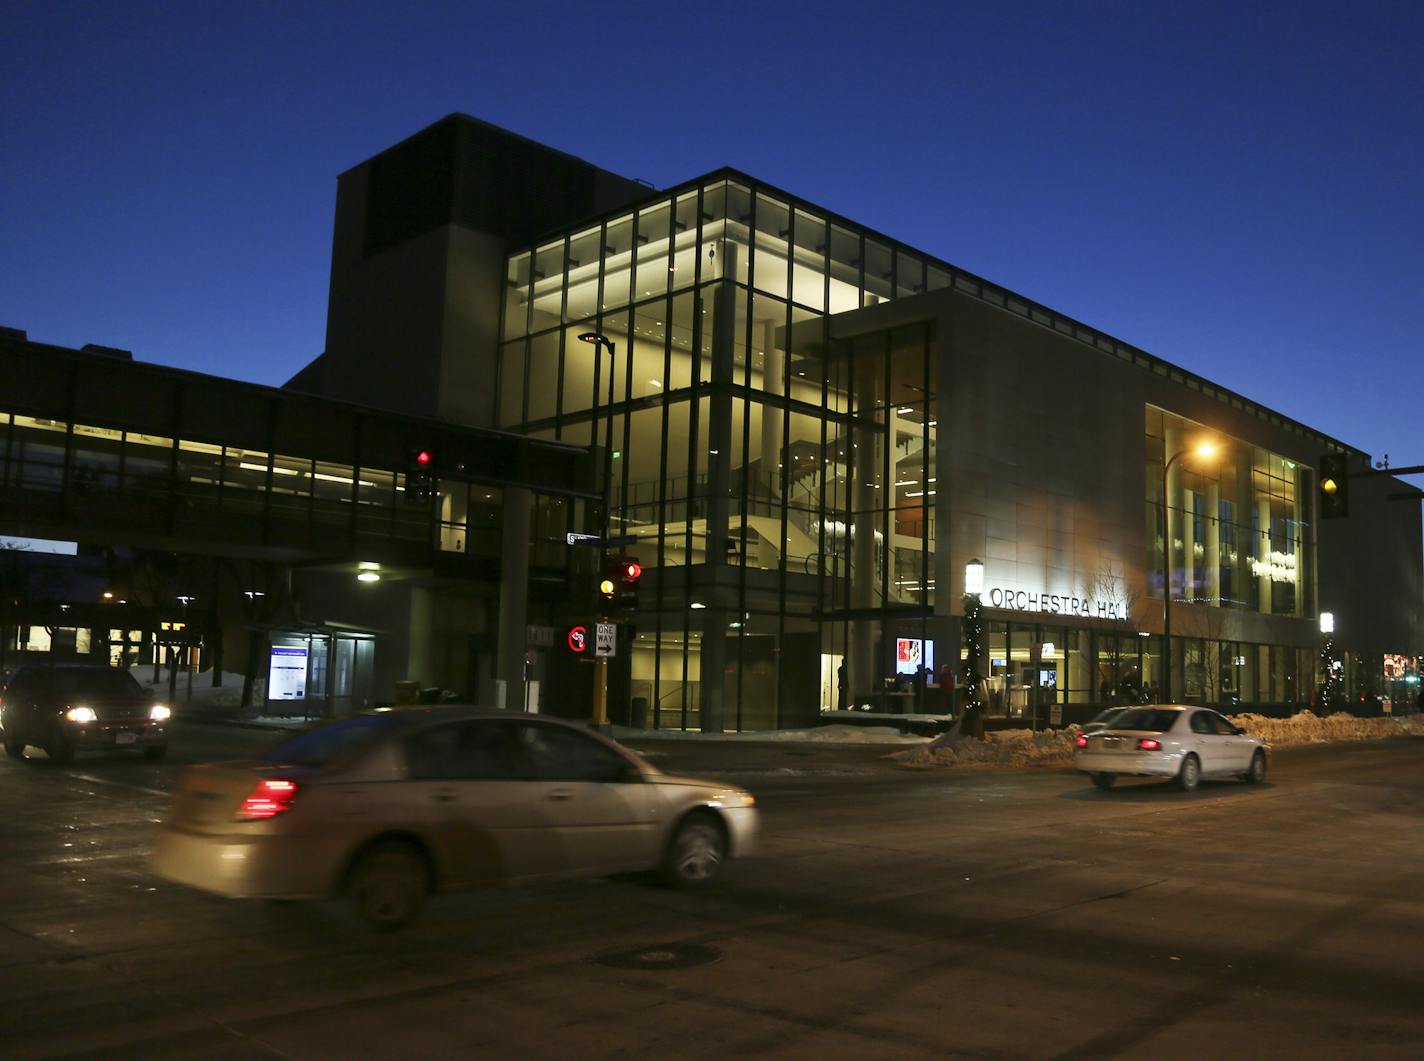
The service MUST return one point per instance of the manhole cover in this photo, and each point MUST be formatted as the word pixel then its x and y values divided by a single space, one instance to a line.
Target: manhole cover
pixel 661 956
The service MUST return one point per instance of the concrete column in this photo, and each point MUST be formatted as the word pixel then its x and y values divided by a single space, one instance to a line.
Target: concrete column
pixel 513 595
pixel 1213 543
pixel 773 382
pixel 1188 524
pixel 719 456
pixel 865 459
pixel 1172 518
pixel 1263 554
pixel 420 652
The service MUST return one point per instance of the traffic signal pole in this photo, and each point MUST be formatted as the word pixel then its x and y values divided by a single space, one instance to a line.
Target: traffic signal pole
pixel 600 692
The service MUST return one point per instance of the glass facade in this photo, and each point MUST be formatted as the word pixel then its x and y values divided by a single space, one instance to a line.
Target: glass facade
pixel 778 483
pixel 53 469
pixel 1241 523
pixel 776 486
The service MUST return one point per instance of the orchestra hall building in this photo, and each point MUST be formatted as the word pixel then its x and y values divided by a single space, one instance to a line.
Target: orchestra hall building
pixel 815 427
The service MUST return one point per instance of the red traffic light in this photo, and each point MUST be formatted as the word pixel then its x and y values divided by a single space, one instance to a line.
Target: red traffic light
pixel 423 457
pixel 632 570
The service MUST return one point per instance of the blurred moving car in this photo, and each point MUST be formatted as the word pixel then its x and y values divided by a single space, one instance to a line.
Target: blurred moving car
pixel 1171 740
pixel 69 707
pixel 388 807
pixel 1102 719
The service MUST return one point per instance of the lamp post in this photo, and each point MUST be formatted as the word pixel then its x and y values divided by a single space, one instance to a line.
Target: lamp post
pixel 973 720
pixel 1205 450
pixel 1327 660
pixel 600 663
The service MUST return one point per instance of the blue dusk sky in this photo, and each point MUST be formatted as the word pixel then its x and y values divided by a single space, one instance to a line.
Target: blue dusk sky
pixel 1234 187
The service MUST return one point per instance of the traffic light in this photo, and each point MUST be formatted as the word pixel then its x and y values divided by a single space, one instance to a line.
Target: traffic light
pixel 1334 486
pixel 419 476
pixel 618 586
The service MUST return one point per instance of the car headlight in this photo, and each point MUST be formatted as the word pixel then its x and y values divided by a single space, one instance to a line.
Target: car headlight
pixel 160 712
pixel 80 714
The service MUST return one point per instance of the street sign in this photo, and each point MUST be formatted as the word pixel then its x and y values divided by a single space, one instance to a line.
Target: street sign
pixel 582 539
pixel 1055 714
pixel 578 639
pixel 539 636
pixel 606 642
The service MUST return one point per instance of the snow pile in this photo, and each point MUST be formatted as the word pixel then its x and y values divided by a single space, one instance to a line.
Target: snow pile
pixel 847 735
pixel 205 695
pixel 1306 728
pixel 1021 747
pixel 1008 747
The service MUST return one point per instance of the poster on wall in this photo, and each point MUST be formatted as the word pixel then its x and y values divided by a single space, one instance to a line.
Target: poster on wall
pixel 287 674
pixel 912 653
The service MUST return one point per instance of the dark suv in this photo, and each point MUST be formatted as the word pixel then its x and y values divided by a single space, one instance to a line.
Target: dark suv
pixel 64 708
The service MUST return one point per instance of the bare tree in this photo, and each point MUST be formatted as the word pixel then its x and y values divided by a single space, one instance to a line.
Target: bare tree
pixel 1206 623
pixel 1110 585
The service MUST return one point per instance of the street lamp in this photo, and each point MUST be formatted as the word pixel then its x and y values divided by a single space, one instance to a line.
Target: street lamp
pixel 974 578
pixel 973 714
pixel 599 339
pixel 1204 450
pixel 600 683
pixel 1327 660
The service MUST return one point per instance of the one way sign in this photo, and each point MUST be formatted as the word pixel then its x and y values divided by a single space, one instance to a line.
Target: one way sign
pixel 606 640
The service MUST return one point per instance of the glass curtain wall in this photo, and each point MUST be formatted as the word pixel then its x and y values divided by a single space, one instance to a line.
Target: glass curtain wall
pixel 1241 525
pixel 741 443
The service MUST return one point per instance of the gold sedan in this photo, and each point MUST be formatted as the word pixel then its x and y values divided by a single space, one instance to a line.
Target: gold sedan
pixel 389 807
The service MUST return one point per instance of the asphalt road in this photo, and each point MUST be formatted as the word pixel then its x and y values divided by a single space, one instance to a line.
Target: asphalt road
pixel 889 914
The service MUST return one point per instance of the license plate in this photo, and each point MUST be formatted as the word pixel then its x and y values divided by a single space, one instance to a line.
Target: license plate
pixel 125 737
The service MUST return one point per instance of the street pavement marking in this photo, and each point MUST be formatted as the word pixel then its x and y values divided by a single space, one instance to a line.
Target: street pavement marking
pixel 120 784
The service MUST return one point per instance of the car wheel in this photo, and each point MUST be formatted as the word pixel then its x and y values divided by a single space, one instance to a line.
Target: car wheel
pixel 14 747
pixel 58 748
pixel 1189 776
pixel 387 886
pixel 154 752
pixel 697 852
pixel 1257 773
pixel 1104 781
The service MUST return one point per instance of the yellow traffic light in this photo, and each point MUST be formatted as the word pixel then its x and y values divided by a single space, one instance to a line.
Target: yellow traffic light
pixel 1329 486
pixel 607 588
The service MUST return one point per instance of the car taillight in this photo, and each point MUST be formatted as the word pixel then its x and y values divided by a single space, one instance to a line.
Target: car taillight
pixel 1081 741
pixel 1149 744
pixel 271 797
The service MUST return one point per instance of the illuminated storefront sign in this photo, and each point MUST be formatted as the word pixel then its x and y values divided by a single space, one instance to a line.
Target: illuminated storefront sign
pixel 1020 600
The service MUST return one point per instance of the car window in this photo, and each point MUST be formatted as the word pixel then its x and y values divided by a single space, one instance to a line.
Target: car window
pixel 1153 720
pixel 467 751
pixel 1220 724
pixel 1201 723
pixel 95 681
pixel 325 744
pixel 558 754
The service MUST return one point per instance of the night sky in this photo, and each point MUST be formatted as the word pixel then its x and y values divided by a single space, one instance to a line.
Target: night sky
pixel 1234 187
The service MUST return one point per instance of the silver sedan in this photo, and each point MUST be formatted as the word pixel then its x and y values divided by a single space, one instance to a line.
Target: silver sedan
pixel 388 807
pixel 1171 740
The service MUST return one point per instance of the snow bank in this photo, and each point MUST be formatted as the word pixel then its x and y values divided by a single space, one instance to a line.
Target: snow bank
pixel 1007 747
pixel 228 694
pixel 1306 728
pixel 1020 747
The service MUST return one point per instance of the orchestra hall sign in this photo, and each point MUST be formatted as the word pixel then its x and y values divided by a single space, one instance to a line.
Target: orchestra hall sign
pixel 1021 600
